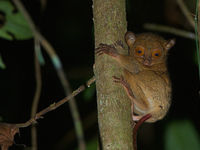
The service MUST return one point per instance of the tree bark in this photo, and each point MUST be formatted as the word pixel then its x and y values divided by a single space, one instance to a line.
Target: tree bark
pixel 114 106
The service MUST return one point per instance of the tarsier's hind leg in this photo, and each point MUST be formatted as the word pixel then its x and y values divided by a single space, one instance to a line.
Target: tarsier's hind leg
pixel 125 85
pixel 129 92
pixel 140 119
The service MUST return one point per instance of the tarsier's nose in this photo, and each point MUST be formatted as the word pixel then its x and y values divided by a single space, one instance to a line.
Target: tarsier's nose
pixel 147 62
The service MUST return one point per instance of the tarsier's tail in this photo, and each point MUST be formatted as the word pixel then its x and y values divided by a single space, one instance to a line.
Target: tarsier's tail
pixel 135 129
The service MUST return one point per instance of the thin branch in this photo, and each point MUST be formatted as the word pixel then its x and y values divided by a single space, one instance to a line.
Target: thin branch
pixel 36 96
pixel 58 66
pixel 172 30
pixel 197 31
pixel 55 105
pixel 186 12
pixel 73 109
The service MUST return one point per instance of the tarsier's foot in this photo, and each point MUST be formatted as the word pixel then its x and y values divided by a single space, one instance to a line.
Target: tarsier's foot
pixel 135 117
pixel 107 49
pixel 129 92
pixel 120 80
pixel 125 84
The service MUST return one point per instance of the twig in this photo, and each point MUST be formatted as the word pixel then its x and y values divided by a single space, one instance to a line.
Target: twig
pixel 36 96
pixel 58 66
pixel 73 109
pixel 172 30
pixel 186 12
pixel 197 31
pixel 55 105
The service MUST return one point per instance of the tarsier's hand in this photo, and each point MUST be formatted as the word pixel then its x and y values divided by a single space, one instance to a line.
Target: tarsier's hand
pixel 107 49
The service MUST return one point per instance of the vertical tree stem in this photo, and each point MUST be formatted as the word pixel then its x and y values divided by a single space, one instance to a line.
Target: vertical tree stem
pixel 36 96
pixel 186 12
pixel 114 107
pixel 197 31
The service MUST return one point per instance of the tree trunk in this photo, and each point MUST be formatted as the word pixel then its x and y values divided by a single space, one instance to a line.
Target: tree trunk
pixel 114 106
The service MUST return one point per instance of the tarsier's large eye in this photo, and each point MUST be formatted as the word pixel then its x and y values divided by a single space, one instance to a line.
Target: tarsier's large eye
pixel 156 53
pixel 139 51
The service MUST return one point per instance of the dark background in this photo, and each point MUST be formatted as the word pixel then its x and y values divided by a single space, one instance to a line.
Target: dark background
pixel 69 28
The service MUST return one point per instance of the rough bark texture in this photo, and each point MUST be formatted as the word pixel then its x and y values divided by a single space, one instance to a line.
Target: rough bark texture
pixel 114 107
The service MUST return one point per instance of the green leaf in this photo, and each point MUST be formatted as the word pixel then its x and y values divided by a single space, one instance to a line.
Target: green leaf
pixel 181 135
pixel 39 53
pixel 2 65
pixel 89 92
pixel 15 23
pixel 91 144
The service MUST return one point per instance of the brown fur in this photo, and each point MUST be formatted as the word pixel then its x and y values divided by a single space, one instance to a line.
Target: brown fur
pixel 146 76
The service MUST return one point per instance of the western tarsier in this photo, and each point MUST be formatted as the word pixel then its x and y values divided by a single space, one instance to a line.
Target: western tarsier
pixel 145 77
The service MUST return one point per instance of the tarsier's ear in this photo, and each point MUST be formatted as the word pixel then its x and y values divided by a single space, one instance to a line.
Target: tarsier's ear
pixel 130 38
pixel 169 43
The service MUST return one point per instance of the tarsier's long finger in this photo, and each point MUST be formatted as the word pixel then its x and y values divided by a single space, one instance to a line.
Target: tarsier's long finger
pixel 119 79
pixel 103 45
pixel 99 48
pixel 116 79
pixel 119 43
pixel 96 49
pixel 101 51
pixel 106 45
pixel 98 52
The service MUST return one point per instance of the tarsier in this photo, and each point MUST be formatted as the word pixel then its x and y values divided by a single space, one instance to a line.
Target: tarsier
pixel 145 76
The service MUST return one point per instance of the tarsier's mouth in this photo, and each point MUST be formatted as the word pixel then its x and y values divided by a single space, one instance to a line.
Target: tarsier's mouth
pixel 147 63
